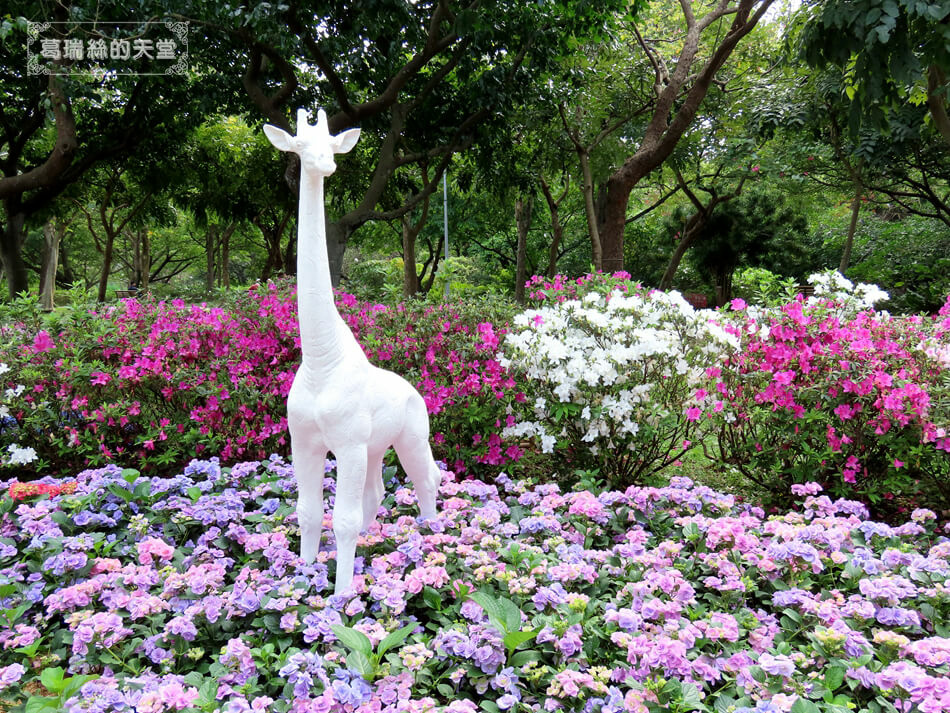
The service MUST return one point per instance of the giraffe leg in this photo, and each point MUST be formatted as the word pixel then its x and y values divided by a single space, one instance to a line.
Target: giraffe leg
pixel 374 490
pixel 309 460
pixel 412 447
pixel 348 510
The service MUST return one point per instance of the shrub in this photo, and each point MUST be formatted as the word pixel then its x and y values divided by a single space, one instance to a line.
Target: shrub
pixel 827 389
pixel 153 384
pixel 124 593
pixel 447 350
pixel 543 290
pixel 762 287
pixel 613 381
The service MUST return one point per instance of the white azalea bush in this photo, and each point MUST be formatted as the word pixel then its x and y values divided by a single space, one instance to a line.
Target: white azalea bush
pixel 832 285
pixel 615 382
pixel 14 454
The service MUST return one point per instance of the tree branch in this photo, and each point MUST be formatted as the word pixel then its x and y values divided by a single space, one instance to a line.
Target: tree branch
pixel 59 158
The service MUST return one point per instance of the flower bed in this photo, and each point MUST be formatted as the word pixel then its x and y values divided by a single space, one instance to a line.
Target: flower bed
pixel 186 594
pixel 828 390
pixel 154 384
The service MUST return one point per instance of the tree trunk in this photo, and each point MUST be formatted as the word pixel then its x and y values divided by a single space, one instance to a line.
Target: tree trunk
pixel 593 229
pixel 135 237
pixel 937 101
pixel 145 259
pixel 724 287
pixel 852 227
pixel 290 255
pixel 68 279
pixel 410 278
pixel 211 244
pixel 106 266
pixel 337 235
pixel 226 257
pixel 52 235
pixel 557 229
pixel 692 230
pixel 619 188
pixel 674 110
pixel 11 240
pixel 523 208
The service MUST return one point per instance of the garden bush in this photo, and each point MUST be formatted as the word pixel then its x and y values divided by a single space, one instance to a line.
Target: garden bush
pixel 152 384
pixel 827 389
pixel 124 593
pixel 613 381
pixel 910 258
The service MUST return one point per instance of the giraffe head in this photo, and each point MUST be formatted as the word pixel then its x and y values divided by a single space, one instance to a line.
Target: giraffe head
pixel 313 144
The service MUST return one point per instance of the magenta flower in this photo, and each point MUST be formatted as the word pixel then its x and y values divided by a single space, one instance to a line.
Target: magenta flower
pixel 99 378
pixel 42 342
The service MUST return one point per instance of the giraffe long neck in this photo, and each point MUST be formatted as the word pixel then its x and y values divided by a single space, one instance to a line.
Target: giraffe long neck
pixel 315 306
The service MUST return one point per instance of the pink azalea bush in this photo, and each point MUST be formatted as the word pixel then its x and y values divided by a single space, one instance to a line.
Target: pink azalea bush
pixel 186 594
pixel 152 384
pixel 544 290
pixel 823 389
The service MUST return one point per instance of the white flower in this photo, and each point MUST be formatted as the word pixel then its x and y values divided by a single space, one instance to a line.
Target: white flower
pixel 547 443
pixel 21 456
pixel 4 368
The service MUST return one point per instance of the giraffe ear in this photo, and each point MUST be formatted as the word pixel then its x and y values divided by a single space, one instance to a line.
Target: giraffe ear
pixel 342 143
pixel 280 138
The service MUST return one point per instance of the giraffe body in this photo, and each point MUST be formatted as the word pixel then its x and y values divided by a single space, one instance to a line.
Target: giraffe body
pixel 339 402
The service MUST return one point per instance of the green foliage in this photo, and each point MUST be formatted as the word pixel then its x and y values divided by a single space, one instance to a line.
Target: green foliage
pixel 886 48
pixel 759 228
pixel 909 258
pixel 61 686
pixel 762 287
pixel 362 658
pixel 382 280
pixel 505 616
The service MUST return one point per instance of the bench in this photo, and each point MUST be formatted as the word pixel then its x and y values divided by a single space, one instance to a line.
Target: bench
pixel 124 294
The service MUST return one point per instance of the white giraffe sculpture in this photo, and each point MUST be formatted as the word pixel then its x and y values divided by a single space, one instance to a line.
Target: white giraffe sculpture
pixel 340 402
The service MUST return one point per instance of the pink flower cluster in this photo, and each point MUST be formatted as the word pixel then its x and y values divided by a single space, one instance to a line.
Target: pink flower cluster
pixel 816 393
pixel 151 384
pixel 561 289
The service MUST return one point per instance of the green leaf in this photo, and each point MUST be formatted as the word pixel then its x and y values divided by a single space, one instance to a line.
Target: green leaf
pixel 803 705
pixel 353 640
pixel 130 475
pixel 511 614
pixel 446 690
pixel 395 639
pixel 520 658
pixel 119 491
pixel 724 702
pixel 690 699
pixel 496 614
pixel 194 493
pixel 361 663
pixel 73 684
pixel 514 639
pixel 37 704
pixel 52 679
pixel 432 598
pixel 834 677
